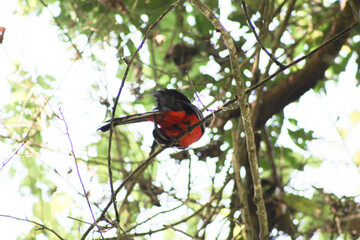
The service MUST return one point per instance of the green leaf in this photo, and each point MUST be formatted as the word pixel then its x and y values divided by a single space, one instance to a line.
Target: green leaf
pixel 45 81
pixel 203 25
pixel 313 162
pixel 302 204
pixel 301 137
pixel 293 121
pixel 340 64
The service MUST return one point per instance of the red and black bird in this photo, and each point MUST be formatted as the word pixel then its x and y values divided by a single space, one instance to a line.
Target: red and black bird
pixel 172 115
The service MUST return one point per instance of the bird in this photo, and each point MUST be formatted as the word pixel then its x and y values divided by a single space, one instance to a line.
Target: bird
pixel 172 116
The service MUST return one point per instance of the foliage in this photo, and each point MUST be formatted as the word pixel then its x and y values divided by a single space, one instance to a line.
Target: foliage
pixel 172 198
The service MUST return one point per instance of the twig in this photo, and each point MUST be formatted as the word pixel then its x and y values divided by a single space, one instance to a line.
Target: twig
pixel 181 231
pixel 193 87
pixel 189 180
pixel 76 164
pixel 12 155
pixel 152 217
pixel 79 220
pixel 35 223
pixel 258 38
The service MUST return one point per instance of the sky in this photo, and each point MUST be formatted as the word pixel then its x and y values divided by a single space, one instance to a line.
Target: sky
pixel 35 43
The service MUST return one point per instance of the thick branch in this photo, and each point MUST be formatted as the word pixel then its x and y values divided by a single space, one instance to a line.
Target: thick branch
pixel 293 87
pixel 298 83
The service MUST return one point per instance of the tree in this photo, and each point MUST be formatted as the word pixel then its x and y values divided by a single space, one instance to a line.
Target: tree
pixel 267 56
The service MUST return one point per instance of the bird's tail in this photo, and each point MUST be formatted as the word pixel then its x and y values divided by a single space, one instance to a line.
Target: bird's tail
pixel 141 117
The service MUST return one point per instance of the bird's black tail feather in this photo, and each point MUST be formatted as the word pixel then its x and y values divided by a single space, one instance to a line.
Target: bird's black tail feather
pixel 141 117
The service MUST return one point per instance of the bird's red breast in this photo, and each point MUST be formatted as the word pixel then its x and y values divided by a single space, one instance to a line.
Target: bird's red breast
pixel 172 116
pixel 175 123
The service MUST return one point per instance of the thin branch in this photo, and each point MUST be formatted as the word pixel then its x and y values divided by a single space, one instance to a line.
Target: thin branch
pixel 283 25
pixel 35 223
pixel 257 36
pixel 152 217
pixel 193 88
pixel 79 220
pixel 12 155
pixel 189 180
pixel 76 164
pixel 181 231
